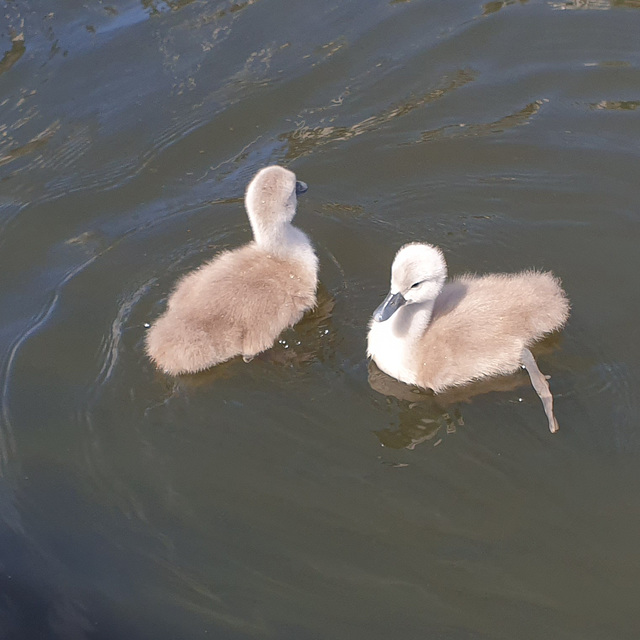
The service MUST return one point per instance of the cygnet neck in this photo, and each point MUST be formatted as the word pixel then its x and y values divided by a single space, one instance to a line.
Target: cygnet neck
pixel 411 320
pixel 283 239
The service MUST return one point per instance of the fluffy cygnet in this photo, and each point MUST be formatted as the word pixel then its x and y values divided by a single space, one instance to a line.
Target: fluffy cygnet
pixel 438 335
pixel 239 302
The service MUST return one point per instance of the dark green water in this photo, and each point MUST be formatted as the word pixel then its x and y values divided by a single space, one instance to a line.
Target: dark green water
pixel 257 500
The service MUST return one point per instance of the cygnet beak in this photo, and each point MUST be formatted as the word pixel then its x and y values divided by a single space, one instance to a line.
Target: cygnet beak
pixel 389 306
pixel 301 187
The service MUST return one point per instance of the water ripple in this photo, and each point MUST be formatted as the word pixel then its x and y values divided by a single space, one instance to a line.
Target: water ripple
pixel 110 344
pixel 7 438
pixel 462 130
pixel 304 138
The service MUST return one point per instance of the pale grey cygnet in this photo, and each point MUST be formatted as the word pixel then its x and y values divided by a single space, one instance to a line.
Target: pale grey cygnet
pixel 239 302
pixel 437 335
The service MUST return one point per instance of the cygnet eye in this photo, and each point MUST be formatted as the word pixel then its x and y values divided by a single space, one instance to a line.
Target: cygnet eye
pixel 417 284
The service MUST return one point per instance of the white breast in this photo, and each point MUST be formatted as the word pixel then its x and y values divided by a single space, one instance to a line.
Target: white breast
pixel 390 351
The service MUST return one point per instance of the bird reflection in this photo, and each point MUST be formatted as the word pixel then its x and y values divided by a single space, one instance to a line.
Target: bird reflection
pixel 424 416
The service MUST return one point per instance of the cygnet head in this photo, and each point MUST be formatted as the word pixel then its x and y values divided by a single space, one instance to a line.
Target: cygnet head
pixel 418 274
pixel 271 198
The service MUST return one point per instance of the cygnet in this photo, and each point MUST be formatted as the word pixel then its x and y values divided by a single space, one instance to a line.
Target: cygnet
pixel 436 335
pixel 240 301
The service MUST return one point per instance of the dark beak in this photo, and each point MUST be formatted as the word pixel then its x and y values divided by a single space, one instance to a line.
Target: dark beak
pixel 389 306
pixel 301 187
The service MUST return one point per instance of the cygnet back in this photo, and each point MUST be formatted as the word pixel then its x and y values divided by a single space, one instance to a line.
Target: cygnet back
pixel 480 325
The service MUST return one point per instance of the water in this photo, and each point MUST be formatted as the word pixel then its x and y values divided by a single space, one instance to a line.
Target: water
pixel 286 497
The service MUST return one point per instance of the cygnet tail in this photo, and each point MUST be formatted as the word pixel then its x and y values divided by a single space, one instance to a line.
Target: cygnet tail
pixel 177 348
pixel 553 309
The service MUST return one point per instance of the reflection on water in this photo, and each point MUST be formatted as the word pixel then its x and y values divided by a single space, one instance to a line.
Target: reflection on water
pixel 37 142
pixel 617 105
pixel 423 414
pixel 301 495
pixel 519 118
pixel 304 139
pixel 597 5
pixel 14 54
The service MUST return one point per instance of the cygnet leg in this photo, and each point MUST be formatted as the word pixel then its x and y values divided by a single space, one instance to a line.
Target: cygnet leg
pixel 541 386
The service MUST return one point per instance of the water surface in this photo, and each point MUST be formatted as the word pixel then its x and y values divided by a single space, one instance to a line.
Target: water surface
pixel 287 497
